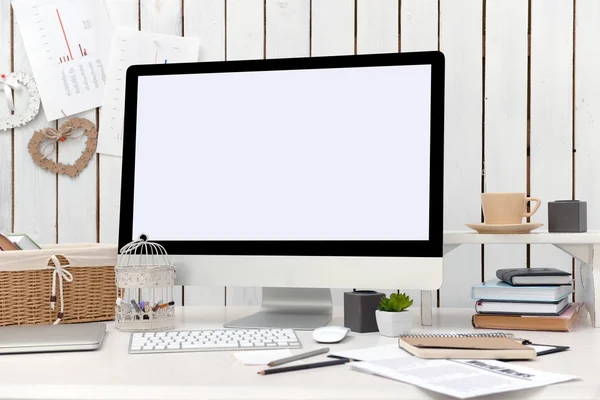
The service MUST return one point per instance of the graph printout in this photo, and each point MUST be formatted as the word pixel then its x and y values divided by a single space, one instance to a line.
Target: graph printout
pixel 67 42
pixel 130 47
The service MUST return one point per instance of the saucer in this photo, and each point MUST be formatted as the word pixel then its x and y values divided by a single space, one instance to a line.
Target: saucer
pixel 504 228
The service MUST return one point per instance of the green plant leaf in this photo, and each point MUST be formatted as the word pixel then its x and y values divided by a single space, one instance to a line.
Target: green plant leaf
pixel 395 303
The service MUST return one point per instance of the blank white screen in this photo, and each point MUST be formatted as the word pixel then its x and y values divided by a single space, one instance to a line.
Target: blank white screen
pixel 326 154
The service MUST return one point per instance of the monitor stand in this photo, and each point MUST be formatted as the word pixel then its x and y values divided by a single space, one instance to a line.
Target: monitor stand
pixel 296 308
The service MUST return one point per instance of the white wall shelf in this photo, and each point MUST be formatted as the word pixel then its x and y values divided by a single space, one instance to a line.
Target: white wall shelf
pixel 585 247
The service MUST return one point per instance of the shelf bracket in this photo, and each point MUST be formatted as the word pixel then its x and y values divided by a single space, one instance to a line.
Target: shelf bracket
pixel 582 252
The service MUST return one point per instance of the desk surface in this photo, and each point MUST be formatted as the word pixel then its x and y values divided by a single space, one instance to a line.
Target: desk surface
pixel 111 373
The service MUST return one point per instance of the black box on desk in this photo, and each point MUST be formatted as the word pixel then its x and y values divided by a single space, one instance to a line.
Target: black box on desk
pixel 567 216
pixel 359 310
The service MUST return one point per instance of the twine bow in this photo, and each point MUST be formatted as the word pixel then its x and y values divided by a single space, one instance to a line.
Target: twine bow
pixel 62 274
pixel 57 135
pixel 8 88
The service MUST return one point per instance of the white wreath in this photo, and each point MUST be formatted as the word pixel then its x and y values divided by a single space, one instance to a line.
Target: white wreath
pixel 16 81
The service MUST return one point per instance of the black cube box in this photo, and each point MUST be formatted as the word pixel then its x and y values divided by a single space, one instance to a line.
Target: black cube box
pixel 359 310
pixel 567 216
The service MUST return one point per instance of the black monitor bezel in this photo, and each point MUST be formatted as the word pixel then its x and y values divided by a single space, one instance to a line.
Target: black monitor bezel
pixel 369 248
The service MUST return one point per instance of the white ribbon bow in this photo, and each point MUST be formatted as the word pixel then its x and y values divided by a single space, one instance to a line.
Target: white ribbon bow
pixel 62 274
pixel 8 87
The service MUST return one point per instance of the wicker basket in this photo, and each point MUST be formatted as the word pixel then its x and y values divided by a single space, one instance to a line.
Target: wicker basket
pixel 26 279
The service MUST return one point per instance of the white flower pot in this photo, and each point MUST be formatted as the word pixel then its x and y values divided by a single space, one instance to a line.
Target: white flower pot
pixel 394 324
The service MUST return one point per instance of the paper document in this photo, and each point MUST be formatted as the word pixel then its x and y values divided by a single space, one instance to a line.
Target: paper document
pixel 261 357
pixel 373 353
pixel 130 47
pixel 67 43
pixel 461 378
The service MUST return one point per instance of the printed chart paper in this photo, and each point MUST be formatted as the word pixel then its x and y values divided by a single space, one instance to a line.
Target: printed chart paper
pixel 462 379
pixel 67 42
pixel 128 48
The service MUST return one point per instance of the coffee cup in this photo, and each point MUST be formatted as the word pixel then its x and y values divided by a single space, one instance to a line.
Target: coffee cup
pixel 507 208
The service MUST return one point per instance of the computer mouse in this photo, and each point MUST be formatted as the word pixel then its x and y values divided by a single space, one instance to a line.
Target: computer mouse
pixel 330 334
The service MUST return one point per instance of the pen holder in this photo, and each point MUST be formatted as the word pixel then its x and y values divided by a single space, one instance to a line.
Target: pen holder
pixel 145 278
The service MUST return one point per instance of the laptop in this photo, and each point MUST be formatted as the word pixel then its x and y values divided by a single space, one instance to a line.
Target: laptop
pixel 50 338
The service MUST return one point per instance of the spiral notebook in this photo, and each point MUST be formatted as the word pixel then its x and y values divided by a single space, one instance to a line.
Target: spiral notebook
pixel 492 346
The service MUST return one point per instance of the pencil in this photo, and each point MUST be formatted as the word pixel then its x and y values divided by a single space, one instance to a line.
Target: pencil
pixel 297 357
pixel 303 366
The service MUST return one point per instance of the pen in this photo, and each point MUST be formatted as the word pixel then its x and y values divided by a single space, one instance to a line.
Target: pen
pixel 135 305
pixel 297 357
pixel 303 366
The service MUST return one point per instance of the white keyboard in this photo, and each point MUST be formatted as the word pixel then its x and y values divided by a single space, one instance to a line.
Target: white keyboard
pixel 213 340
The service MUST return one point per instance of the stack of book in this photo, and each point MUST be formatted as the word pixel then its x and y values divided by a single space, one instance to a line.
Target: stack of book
pixel 526 299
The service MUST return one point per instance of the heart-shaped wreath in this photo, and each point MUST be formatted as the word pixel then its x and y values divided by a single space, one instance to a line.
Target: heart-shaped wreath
pixel 19 81
pixel 53 136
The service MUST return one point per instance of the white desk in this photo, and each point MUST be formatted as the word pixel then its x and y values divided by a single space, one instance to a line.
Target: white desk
pixel 111 373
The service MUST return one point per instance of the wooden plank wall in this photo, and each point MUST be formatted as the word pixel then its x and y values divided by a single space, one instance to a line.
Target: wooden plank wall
pixel 521 97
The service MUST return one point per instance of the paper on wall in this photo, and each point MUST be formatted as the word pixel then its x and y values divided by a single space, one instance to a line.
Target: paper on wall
pixel 67 43
pixel 130 47
pixel 461 378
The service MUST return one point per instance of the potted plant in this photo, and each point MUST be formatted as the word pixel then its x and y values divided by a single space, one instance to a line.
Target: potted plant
pixel 393 318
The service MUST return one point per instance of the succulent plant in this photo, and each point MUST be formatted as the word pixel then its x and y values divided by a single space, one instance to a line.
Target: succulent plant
pixel 395 303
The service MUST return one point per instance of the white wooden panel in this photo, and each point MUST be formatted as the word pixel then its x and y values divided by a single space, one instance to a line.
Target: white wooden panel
pixel 161 16
pixel 245 29
pixel 205 19
pixel 587 113
pixel 505 115
pixel 164 16
pixel 419 32
pixel 110 197
pixel 419 25
pixel 333 34
pixel 332 27
pixel 6 136
pixel 288 35
pixel 34 188
pixel 123 13
pixel 377 32
pixel 460 41
pixel 551 115
pixel 587 108
pixel 77 197
pixel 288 28
pixel 377 26
pixel 245 41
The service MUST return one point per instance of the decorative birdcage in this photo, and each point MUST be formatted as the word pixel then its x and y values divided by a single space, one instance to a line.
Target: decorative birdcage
pixel 145 278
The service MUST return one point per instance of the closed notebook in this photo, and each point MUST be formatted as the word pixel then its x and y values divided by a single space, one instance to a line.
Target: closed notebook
pixel 495 289
pixel 494 346
pixel 521 308
pixel 561 323
pixel 6 244
pixel 23 242
pixel 534 276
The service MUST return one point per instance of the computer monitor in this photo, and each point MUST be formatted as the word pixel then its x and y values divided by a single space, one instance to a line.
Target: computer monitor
pixel 297 175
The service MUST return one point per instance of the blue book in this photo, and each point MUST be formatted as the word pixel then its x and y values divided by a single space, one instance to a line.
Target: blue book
pixel 495 289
